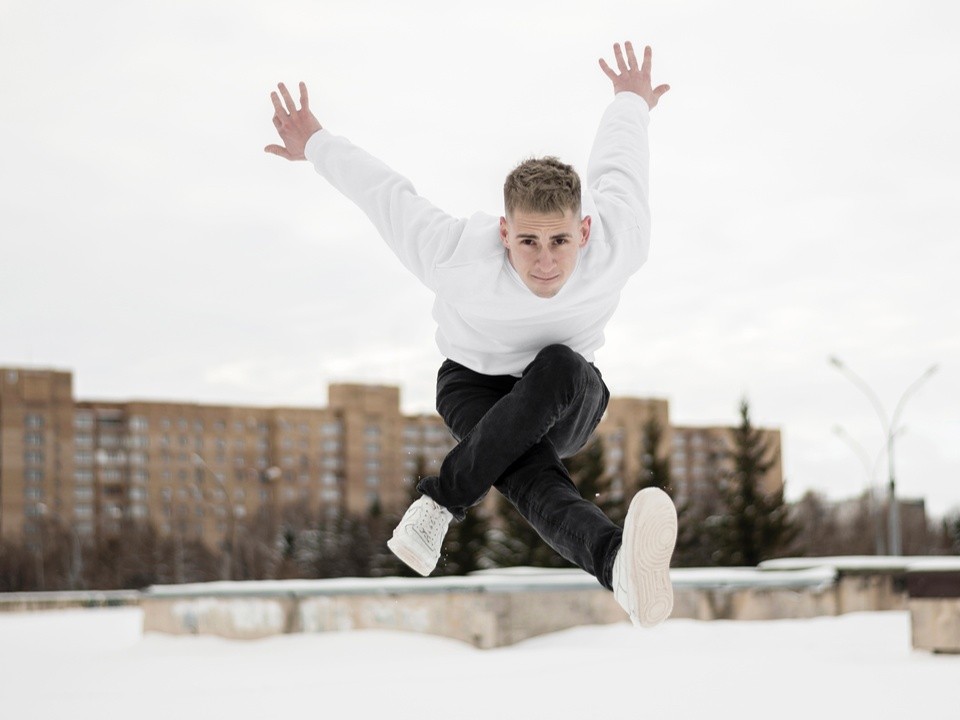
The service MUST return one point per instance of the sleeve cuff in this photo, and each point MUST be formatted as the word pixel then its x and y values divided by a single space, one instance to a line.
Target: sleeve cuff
pixel 315 144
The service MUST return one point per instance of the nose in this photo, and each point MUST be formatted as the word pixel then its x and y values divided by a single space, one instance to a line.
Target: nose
pixel 546 260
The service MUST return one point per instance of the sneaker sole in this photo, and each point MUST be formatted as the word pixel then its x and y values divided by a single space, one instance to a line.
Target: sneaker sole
pixel 410 557
pixel 650 534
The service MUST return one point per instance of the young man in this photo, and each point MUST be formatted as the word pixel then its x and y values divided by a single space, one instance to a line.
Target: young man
pixel 521 304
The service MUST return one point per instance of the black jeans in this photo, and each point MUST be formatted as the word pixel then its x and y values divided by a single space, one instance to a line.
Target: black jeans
pixel 512 433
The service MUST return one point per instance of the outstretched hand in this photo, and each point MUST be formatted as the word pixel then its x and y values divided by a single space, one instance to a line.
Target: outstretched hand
pixel 294 126
pixel 633 77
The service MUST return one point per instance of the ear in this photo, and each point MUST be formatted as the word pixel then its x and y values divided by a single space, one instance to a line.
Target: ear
pixel 504 232
pixel 585 230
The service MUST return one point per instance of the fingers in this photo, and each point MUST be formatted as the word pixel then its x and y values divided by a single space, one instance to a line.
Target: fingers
pixel 280 112
pixel 618 53
pixel 304 100
pixel 630 64
pixel 631 56
pixel 279 151
pixel 287 99
pixel 659 90
pixel 607 70
pixel 647 60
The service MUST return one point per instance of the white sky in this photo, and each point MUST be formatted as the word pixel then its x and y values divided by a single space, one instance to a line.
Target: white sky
pixel 98 664
pixel 804 185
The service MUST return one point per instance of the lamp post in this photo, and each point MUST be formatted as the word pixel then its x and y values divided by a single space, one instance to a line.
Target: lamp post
pixel 890 430
pixel 870 472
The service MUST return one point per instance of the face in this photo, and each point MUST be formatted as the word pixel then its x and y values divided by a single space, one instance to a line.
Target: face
pixel 543 247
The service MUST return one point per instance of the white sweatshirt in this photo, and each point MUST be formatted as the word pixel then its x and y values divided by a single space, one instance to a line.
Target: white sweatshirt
pixel 487 319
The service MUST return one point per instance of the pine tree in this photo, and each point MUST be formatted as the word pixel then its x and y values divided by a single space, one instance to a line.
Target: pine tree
pixel 754 526
pixel 588 470
pixel 654 468
pixel 466 546
pixel 514 542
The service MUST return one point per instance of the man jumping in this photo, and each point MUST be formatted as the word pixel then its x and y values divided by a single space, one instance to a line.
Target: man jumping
pixel 521 305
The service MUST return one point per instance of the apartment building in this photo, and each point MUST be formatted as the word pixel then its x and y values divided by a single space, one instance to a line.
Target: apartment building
pixel 199 470
pixel 698 456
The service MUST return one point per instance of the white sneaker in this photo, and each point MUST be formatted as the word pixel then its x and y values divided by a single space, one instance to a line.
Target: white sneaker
pixel 418 537
pixel 641 570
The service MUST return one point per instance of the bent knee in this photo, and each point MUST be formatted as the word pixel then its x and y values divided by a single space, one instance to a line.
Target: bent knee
pixel 562 359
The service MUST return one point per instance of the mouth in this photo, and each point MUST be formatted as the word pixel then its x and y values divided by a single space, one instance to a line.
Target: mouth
pixel 545 279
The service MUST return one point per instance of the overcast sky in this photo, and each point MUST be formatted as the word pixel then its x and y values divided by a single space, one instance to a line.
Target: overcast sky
pixel 805 176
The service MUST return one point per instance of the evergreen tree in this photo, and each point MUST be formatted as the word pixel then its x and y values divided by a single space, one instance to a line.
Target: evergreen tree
pixel 514 542
pixel 588 470
pixel 754 526
pixel 696 543
pixel 466 546
pixel 951 533
pixel 654 468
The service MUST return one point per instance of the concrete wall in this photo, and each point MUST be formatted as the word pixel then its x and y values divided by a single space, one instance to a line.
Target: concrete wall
pixel 27 602
pixel 494 609
pixel 484 616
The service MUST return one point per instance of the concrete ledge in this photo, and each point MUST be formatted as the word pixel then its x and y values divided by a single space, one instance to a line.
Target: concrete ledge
pixel 483 610
pixel 488 609
pixel 934 590
pixel 26 602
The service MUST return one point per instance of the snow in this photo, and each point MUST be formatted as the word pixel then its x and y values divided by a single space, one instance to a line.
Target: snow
pixel 858 563
pixel 98 664
pixel 500 580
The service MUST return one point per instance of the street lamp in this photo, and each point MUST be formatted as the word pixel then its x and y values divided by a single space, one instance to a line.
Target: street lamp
pixel 890 430
pixel 870 472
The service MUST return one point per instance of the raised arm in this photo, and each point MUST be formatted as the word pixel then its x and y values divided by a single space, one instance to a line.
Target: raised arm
pixel 420 234
pixel 618 169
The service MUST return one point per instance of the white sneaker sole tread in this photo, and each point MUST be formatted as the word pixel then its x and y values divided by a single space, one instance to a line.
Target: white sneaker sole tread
pixel 404 549
pixel 649 536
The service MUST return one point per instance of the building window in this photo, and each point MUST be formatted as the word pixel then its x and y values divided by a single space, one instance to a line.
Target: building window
pixel 83 511
pixel 83 493
pixel 33 493
pixel 83 476
pixel 33 422
pixel 33 439
pixel 83 441
pixel 331 428
pixel 83 421
pixel 34 475
pixel 33 457
pixel 372 431
pixel 139 424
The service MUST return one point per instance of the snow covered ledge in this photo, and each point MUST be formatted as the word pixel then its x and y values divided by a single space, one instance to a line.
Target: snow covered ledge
pixel 486 609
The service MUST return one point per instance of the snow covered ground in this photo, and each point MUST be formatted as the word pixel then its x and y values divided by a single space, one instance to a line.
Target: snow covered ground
pixel 98 664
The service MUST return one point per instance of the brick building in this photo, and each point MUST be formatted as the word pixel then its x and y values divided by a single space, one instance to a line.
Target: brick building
pixel 196 470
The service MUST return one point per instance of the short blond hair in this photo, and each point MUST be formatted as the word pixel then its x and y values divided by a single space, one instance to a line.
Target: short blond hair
pixel 542 185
